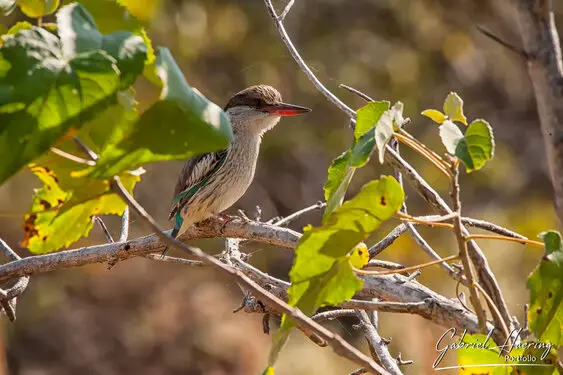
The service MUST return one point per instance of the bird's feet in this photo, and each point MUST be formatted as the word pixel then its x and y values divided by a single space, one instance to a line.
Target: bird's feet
pixel 225 219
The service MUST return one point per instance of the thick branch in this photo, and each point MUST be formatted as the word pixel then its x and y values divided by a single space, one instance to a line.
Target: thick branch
pixel 545 67
pixel 268 234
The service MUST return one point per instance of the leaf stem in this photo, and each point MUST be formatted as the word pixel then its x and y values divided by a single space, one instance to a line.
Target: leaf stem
pixel 428 156
pixel 524 241
pixel 407 269
pixel 495 310
pixel 409 218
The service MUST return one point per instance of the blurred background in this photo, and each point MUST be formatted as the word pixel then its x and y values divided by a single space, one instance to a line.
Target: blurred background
pixel 144 317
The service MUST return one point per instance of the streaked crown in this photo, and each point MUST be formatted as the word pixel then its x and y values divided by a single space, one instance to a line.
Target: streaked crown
pixel 258 96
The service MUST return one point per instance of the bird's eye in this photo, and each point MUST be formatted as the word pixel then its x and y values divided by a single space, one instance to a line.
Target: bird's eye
pixel 260 103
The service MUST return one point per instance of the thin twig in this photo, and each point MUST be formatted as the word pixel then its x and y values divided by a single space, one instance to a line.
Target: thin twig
pixel 286 10
pixel 413 268
pixel 72 157
pixel 505 238
pixel 333 314
pixel 385 264
pixel 388 240
pixel 463 253
pixel 102 225
pixel 494 309
pixel 299 213
pixel 7 250
pixel 519 51
pixel 418 220
pixel 378 345
pixel 8 298
pixel 169 259
pixel 91 154
pixel 297 57
pixel 494 228
pixel 357 92
pixel 124 225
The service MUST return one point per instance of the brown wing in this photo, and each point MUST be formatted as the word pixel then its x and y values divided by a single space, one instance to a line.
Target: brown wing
pixel 193 176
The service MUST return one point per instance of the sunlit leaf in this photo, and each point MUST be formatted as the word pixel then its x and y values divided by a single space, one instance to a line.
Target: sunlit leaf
pixel 479 351
pixel 453 108
pixel 477 146
pixel 436 116
pixel 16 28
pixel 111 16
pixel 545 314
pixel 38 8
pixel 143 10
pixel 451 135
pixel 367 117
pixel 52 226
pixel 79 33
pixel 48 86
pixel 321 273
pixel 182 124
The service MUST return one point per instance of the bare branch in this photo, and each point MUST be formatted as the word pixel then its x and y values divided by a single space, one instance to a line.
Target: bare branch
pixel 357 92
pixel 545 68
pixel 295 215
pixel 333 314
pixel 277 236
pixel 463 253
pixel 297 57
pixel 519 51
pixel 124 225
pixel 8 298
pixel 378 345
pixel 104 228
pixel 7 250
pixel 286 10
pixel 169 259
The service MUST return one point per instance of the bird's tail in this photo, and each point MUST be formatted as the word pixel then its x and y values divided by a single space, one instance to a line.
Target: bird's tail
pixel 173 235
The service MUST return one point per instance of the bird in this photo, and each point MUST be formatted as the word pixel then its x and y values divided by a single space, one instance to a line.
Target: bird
pixel 210 183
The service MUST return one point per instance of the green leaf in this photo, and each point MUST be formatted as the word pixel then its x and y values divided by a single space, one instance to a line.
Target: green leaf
pixel 43 94
pixel 111 16
pixel 49 86
pixel 477 147
pixel 545 314
pixel 476 351
pixel 339 176
pixel 79 33
pixel 321 273
pixel 58 217
pixel 367 117
pixel 38 8
pixel 450 135
pixel 62 211
pixel 453 108
pixel 436 116
pixel 143 10
pixel 182 124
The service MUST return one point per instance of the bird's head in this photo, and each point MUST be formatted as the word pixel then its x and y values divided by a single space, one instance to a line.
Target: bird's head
pixel 259 108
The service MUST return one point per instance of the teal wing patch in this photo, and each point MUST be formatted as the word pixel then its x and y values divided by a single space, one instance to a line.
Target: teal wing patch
pixel 196 174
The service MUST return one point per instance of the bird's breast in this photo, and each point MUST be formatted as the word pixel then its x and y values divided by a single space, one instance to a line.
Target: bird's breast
pixel 236 174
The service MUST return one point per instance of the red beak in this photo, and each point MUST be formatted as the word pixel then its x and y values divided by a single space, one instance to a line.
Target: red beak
pixel 283 109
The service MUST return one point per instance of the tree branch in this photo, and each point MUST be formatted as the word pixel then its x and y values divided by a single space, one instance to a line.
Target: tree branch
pixel 545 68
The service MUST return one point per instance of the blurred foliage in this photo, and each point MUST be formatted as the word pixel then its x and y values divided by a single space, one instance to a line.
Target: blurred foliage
pixel 415 51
